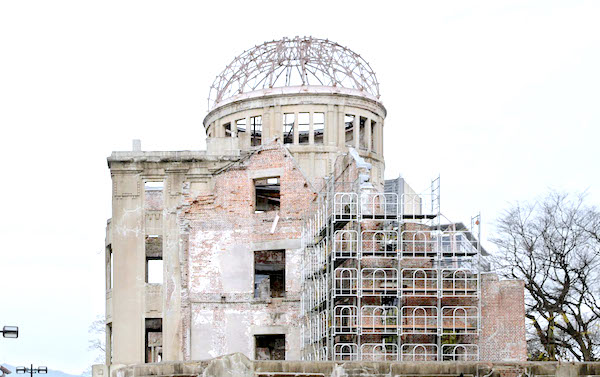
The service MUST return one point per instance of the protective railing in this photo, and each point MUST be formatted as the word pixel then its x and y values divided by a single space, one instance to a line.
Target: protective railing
pixel 461 320
pixel 378 206
pixel 345 351
pixel 345 244
pixel 379 282
pixel 457 244
pixel 460 352
pixel 378 319
pixel 345 319
pixel 379 352
pixel 419 320
pixel 419 244
pixel 345 206
pixel 459 283
pixel 379 244
pixel 420 282
pixel 418 352
pixel 419 207
pixel 345 282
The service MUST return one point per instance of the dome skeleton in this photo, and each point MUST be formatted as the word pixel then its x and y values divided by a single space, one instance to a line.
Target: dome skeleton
pixel 302 61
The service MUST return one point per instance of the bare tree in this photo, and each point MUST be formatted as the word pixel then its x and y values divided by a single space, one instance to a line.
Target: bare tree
pixel 96 343
pixel 554 246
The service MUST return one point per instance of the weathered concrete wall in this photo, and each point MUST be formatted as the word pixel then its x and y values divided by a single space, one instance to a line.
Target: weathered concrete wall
pixel 238 365
pixel 502 319
pixel 224 232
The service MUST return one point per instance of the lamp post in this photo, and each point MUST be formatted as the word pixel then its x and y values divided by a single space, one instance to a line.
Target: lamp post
pixel 10 332
pixel 32 370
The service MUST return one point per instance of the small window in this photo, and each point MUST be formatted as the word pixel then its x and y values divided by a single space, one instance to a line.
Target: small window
pixel 288 128
pixel 240 125
pixel 373 140
pixel 362 133
pixel 109 267
pixel 269 274
pixel 267 194
pixel 349 127
pixel 319 127
pixel 154 259
pixel 256 130
pixel 153 330
pixel 227 127
pixel 303 128
pixel 270 347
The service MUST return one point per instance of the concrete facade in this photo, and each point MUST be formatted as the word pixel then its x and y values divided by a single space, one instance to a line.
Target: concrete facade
pixel 204 248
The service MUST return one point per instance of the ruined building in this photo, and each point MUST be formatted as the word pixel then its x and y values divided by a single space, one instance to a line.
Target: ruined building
pixel 282 240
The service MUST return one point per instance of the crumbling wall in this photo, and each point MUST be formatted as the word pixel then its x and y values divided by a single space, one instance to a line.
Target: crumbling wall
pixel 502 319
pixel 224 232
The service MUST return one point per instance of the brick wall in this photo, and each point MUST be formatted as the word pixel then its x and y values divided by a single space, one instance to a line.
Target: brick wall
pixel 502 319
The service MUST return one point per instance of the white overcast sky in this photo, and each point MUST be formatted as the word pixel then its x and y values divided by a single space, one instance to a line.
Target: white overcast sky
pixel 502 98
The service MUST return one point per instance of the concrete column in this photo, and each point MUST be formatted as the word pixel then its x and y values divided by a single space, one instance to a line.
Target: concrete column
pixel 380 136
pixel 129 268
pixel 356 132
pixel 311 135
pixel 278 121
pixel 172 313
pixel 267 127
pixel 341 127
pixel 296 135
pixel 368 131
pixel 329 137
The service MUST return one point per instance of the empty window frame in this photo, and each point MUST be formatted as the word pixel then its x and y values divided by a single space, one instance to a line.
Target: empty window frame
pixel 240 125
pixel 373 140
pixel 319 127
pixel 109 267
pixel 303 128
pixel 255 130
pixel 288 128
pixel 154 260
pixel 362 133
pixel 227 128
pixel 349 129
pixel 109 344
pixel 267 194
pixel 153 195
pixel 269 274
pixel 269 347
pixel 153 340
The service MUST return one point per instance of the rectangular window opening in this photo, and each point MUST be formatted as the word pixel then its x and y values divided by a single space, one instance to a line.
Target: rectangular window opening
pixel 153 195
pixel 153 346
pixel 109 350
pixel 288 128
pixel 267 194
pixel 109 267
pixel 255 130
pixel 373 140
pixel 154 259
pixel 319 127
pixel 269 274
pixel 270 347
pixel 362 133
pixel 303 128
pixel 240 125
pixel 349 129
pixel 227 127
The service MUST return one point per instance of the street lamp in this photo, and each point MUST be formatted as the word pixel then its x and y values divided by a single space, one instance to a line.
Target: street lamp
pixel 32 370
pixel 10 332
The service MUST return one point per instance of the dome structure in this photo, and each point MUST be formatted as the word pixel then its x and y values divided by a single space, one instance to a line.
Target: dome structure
pixel 294 63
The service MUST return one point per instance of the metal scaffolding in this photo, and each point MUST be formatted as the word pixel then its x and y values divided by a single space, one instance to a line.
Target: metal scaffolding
pixel 384 279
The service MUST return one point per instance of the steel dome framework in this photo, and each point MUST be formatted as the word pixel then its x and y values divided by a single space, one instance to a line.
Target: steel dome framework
pixel 300 61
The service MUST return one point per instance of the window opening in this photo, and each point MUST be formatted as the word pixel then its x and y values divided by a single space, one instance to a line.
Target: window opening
pixel 153 340
pixel 256 130
pixel 303 128
pixel 362 133
pixel 288 128
pixel 154 260
pixel 267 194
pixel 373 140
pixel 349 127
pixel 270 347
pixel 240 124
pixel 319 127
pixel 269 274
pixel 227 128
